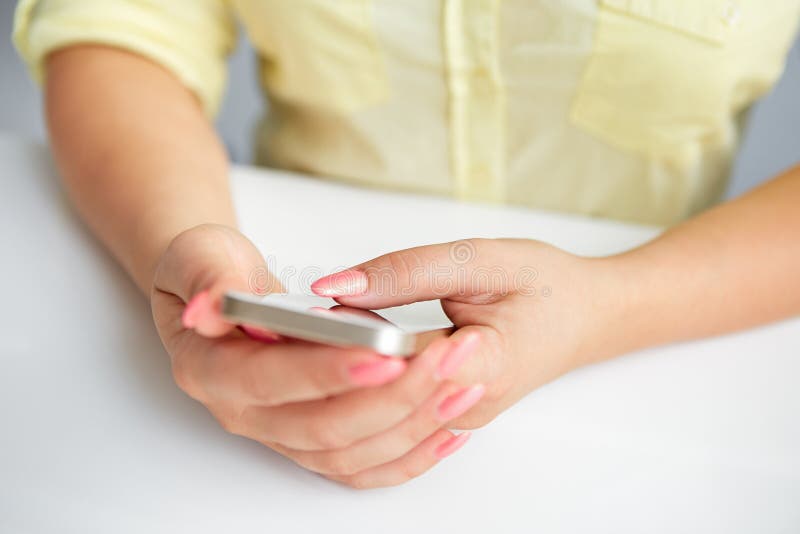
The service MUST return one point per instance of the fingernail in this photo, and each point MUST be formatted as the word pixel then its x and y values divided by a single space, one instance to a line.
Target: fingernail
pixel 341 284
pixel 194 308
pixel 460 402
pixel 377 373
pixel 457 355
pixel 451 445
pixel 259 334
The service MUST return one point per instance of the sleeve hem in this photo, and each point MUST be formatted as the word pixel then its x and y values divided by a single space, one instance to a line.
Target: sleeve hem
pixel 34 44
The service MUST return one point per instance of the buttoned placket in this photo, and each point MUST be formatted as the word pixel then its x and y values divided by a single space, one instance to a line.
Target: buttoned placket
pixel 476 99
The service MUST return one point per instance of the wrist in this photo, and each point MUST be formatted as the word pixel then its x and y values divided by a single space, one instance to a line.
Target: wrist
pixel 618 321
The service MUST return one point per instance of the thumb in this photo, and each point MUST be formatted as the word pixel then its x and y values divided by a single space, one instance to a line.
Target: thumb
pixel 201 264
pixel 467 271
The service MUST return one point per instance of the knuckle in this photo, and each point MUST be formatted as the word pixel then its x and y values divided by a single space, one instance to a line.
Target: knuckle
pixel 339 464
pixel 259 388
pixel 326 436
pixel 418 433
pixel 322 379
pixel 408 471
pixel 231 424
pixel 231 419
pixel 184 379
pixel 247 373
pixel 494 359
pixel 406 398
pixel 404 265
pixel 473 419
pixel 427 422
pixel 355 482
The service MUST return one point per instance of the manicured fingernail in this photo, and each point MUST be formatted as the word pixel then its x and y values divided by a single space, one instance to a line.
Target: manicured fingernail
pixel 377 373
pixel 194 308
pixel 451 445
pixel 341 284
pixel 460 402
pixel 457 355
pixel 259 334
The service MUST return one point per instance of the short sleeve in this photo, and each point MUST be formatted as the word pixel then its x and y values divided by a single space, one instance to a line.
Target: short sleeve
pixel 190 38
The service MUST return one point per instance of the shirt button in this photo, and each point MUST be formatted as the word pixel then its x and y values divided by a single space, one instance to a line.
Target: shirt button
pixel 481 174
pixel 481 72
pixel 732 14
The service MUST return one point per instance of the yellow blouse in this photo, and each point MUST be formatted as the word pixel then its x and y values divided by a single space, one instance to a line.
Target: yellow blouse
pixel 630 109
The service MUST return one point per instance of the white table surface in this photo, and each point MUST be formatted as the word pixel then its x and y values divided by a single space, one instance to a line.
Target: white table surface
pixel 699 437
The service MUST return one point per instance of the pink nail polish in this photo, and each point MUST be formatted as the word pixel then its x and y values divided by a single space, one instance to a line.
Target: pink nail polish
pixel 457 355
pixel 193 308
pixel 377 373
pixel 460 402
pixel 341 284
pixel 451 445
pixel 259 334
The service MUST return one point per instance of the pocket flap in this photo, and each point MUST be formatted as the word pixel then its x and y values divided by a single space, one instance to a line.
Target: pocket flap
pixel 711 20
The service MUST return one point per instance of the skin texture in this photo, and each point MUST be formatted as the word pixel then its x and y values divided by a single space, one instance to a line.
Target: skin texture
pixel 145 170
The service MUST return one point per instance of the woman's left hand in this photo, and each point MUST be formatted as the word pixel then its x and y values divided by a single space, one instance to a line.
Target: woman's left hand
pixel 537 312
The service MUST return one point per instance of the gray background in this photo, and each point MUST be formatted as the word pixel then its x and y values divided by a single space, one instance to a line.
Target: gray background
pixel 772 142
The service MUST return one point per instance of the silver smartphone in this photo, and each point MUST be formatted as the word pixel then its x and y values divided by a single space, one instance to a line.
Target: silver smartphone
pixel 291 316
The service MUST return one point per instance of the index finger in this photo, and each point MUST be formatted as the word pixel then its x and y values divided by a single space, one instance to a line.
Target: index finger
pixel 242 370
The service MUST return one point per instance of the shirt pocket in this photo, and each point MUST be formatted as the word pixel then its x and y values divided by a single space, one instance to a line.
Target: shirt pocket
pixel 318 53
pixel 665 75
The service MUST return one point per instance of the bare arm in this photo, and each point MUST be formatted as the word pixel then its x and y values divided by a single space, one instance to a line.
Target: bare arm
pixel 732 267
pixel 138 157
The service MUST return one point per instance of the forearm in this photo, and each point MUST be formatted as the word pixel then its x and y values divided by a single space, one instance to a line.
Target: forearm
pixel 138 158
pixel 732 267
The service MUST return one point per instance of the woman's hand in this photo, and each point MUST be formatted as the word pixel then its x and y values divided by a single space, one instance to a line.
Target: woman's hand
pixel 535 311
pixel 348 413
